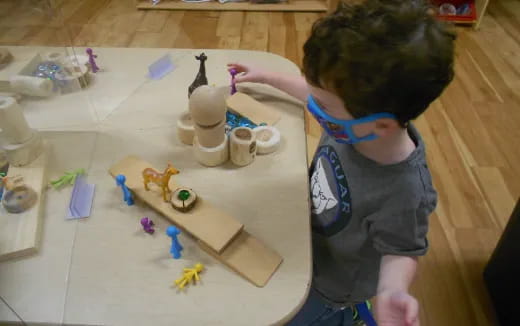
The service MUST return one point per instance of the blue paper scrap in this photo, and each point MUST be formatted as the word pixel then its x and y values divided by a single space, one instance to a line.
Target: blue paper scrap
pixel 81 198
pixel 161 67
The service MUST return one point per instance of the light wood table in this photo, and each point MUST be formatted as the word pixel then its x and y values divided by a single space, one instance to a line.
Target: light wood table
pixel 105 269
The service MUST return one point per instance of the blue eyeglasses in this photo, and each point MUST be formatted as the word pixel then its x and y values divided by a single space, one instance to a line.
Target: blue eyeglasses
pixel 341 130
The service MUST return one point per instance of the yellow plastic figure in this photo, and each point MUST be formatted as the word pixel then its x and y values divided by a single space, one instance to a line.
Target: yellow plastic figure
pixel 189 275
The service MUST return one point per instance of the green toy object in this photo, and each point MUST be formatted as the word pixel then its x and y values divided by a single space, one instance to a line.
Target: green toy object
pixel 68 178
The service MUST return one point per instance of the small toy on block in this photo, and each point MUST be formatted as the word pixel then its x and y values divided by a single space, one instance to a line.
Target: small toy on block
pixel 147 225
pixel 176 247
pixel 183 199
pixel 127 195
pixel 189 275
pixel 200 79
pixel 160 179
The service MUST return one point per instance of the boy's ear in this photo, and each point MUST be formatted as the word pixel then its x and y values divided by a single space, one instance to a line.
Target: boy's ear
pixel 386 126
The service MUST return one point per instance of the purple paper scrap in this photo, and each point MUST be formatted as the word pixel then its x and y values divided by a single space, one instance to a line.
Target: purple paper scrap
pixel 81 199
pixel 161 67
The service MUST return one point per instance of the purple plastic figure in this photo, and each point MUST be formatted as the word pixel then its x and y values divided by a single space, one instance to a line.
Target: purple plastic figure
pixel 233 72
pixel 92 62
pixel 147 225
pixel 176 247
pixel 127 195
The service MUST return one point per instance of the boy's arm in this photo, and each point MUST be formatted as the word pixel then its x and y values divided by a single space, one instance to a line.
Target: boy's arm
pixel 394 305
pixel 293 85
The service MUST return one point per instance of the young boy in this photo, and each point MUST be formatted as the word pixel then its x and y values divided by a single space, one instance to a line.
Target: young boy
pixel 369 69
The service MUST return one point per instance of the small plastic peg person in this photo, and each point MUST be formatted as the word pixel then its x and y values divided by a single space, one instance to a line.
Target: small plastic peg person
pixel 176 247
pixel 147 225
pixel 127 195
pixel 91 60
pixel 233 73
pixel 190 274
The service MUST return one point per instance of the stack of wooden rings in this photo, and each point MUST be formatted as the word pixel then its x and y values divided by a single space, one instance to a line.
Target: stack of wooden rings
pixel 208 113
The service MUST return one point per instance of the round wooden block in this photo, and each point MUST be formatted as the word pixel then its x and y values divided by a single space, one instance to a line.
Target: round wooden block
pixel 207 106
pixel 57 57
pixel 74 74
pixel 267 139
pixel 5 57
pixel 211 156
pixel 211 136
pixel 185 128
pixel 183 199
pixel 242 147
pixel 19 199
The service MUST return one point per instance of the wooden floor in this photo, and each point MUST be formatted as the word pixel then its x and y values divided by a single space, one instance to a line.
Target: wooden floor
pixel 472 132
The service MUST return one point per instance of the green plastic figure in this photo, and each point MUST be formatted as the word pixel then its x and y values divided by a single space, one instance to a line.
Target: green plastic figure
pixel 68 178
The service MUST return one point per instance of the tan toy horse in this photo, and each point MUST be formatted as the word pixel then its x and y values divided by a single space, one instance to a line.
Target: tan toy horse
pixel 160 179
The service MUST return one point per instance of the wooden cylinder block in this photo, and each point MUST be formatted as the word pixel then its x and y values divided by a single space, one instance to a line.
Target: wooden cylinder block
pixel 267 139
pixel 5 57
pixel 212 156
pixel 242 146
pixel 185 128
pixel 12 122
pixel 211 136
pixel 207 106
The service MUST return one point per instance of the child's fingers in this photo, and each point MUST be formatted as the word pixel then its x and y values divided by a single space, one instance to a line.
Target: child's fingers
pixel 238 67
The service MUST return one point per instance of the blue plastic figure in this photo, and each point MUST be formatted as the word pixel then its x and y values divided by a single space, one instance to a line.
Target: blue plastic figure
pixel 127 195
pixel 176 248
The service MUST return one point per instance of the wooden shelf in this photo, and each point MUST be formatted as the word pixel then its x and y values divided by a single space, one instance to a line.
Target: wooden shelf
pixel 291 5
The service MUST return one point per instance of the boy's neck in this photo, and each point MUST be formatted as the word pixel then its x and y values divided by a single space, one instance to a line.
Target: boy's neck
pixel 388 150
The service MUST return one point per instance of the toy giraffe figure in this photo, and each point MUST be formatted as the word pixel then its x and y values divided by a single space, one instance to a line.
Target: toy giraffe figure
pixel 160 179
pixel 201 75
pixel 190 274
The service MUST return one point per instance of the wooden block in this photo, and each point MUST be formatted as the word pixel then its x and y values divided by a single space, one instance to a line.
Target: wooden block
pixel 20 233
pixel 250 108
pixel 208 224
pixel 249 257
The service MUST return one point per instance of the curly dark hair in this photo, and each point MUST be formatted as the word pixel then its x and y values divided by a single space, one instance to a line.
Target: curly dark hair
pixel 381 56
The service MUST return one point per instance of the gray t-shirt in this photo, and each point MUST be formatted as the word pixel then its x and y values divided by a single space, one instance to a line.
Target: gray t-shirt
pixel 362 210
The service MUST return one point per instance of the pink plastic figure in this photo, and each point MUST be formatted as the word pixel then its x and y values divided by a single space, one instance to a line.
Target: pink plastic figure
pixel 147 225
pixel 92 62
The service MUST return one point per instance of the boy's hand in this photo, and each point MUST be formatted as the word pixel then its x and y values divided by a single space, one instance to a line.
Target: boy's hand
pixel 396 308
pixel 248 73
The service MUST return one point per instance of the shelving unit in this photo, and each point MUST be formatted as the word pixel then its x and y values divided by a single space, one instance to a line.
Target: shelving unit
pixel 478 6
pixel 289 5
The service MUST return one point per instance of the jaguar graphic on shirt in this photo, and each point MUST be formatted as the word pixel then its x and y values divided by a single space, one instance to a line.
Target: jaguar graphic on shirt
pixel 331 202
